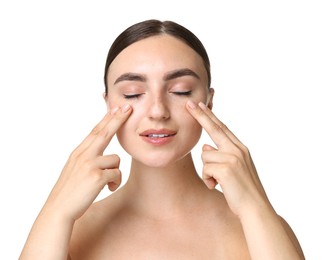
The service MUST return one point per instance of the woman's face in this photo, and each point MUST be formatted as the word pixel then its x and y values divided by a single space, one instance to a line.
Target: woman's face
pixel 157 76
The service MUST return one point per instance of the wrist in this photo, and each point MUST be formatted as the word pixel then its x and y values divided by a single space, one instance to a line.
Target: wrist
pixel 56 215
pixel 258 209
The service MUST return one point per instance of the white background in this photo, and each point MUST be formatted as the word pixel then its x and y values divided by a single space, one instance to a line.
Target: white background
pixel 268 64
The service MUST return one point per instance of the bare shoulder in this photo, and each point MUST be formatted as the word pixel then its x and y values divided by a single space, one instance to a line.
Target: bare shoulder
pixel 89 229
pixel 229 233
pixel 292 236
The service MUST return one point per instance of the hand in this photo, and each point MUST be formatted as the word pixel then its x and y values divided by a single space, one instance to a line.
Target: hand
pixel 87 170
pixel 229 165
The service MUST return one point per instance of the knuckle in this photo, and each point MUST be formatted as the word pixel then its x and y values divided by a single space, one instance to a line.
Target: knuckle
pixel 199 112
pixel 120 117
pixel 115 159
pixel 113 175
pixel 97 176
pixel 234 161
pixel 74 155
pixel 245 150
pixel 203 156
pixel 117 174
pixel 88 165
pixel 223 127
pixel 239 152
pixel 95 130
pixel 205 168
pixel 209 170
pixel 103 133
pixel 224 171
pixel 216 128
pixel 206 172
pixel 220 127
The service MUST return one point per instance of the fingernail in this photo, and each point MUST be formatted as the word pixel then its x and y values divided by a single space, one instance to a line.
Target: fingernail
pixel 191 104
pixel 114 110
pixel 126 108
pixel 202 105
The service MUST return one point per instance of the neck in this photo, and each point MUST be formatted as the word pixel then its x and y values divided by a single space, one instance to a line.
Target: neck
pixel 164 191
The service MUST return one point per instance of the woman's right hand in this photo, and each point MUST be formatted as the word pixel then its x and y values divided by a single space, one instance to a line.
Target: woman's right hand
pixel 87 170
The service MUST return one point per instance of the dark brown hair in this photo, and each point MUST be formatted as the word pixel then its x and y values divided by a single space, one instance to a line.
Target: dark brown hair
pixel 150 28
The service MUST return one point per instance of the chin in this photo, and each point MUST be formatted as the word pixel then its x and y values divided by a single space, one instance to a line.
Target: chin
pixel 160 160
pixel 156 164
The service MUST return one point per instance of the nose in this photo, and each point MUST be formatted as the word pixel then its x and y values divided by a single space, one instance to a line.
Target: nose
pixel 158 109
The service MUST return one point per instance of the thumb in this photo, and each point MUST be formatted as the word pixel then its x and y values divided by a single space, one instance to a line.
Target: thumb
pixel 207 147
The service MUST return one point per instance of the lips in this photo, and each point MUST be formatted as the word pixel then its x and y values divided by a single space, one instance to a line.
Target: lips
pixel 158 133
pixel 158 136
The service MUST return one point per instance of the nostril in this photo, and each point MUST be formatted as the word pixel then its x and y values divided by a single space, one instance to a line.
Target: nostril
pixel 159 110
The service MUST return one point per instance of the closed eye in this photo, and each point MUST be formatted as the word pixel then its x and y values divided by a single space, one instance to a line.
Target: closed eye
pixel 129 96
pixel 183 93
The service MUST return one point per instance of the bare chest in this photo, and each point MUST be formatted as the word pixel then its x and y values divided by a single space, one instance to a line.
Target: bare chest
pixel 170 240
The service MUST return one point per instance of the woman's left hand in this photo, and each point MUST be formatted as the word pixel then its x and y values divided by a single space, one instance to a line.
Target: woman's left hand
pixel 229 165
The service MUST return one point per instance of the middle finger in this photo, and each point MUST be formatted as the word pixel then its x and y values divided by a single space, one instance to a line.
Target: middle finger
pixel 219 137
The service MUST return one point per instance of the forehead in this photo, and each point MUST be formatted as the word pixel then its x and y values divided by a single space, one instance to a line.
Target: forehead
pixel 154 55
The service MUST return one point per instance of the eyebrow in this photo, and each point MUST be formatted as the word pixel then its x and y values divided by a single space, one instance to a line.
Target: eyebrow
pixel 169 76
pixel 180 73
pixel 130 77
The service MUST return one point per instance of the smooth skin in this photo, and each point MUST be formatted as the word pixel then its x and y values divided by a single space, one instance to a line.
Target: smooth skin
pixel 231 166
pixel 83 177
pixel 165 210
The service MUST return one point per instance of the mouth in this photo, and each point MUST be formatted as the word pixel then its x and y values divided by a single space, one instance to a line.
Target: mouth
pixel 158 136
pixel 158 133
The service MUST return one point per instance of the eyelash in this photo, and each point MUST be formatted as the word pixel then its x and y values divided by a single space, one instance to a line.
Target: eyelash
pixel 131 96
pixel 184 93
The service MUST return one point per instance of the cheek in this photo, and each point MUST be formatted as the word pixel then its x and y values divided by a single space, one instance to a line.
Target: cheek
pixel 126 128
pixel 191 126
pixel 114 101
pixel 130 127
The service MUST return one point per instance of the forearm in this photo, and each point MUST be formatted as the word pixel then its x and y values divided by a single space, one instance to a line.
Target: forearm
pixel 266 236
pixel 49 238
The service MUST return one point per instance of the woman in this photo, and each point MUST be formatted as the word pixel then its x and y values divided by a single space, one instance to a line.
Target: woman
pixel 158 98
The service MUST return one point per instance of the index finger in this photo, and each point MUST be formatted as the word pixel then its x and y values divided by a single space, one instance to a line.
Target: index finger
pixel 216 133
pixel 230 134
pixel 103 136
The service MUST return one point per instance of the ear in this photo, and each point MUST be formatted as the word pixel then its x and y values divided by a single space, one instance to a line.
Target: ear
pixel 210 98
pixel 105 96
